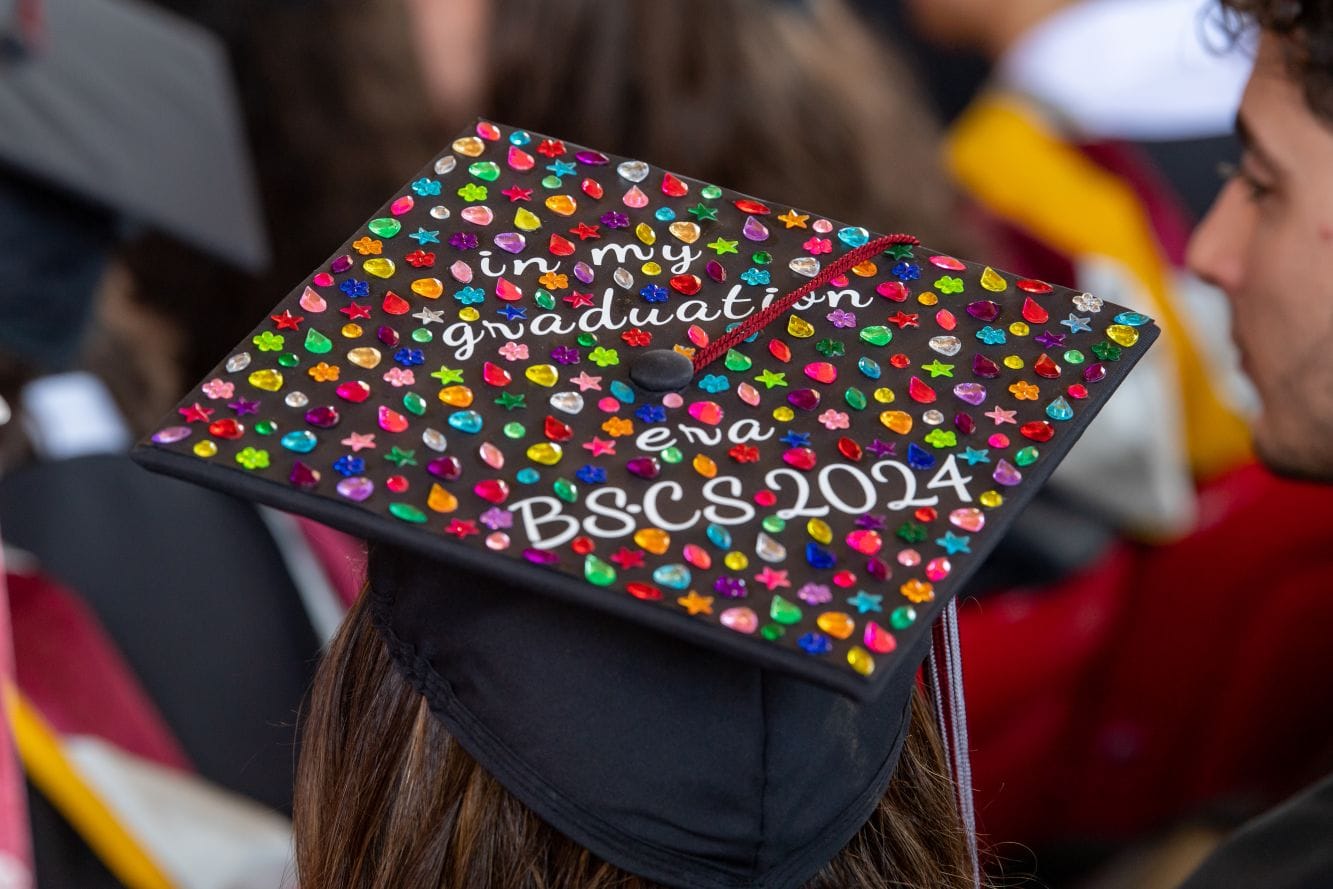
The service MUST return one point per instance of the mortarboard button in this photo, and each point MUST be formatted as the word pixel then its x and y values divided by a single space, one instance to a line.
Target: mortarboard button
pixel 662 370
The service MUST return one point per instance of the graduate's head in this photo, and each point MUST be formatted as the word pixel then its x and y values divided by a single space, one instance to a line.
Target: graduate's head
pixel 387 795
pixel 1268 240
pixel 694 657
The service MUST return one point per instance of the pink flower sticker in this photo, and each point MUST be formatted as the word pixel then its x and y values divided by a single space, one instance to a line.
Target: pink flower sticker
pixel 514 351
pixel 834 419
pixel 219 388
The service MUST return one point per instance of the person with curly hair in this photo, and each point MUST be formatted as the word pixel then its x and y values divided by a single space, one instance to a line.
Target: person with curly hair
pixel 1264 243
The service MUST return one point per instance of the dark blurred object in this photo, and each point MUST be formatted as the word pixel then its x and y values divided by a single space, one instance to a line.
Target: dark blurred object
pixel 1191 166
pixel 61 858
pixel 56 251
pixel 335 118
pixel 1287 848
pixel 228 651
pixel 133 110
pixel 950 76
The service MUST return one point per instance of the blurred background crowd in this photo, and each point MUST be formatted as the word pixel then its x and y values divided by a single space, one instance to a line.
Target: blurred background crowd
pixel 1146 653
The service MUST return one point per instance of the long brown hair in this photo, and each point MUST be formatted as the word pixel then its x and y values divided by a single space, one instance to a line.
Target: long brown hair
pixel 801 101
pixel 385 797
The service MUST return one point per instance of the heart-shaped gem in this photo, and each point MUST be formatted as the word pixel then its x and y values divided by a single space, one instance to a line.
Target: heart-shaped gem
pixel 654 540
pixel 546 453
pixel 946 345
pixel 685 231
pixel 356 489
pixel 634 171
pixel 807 266
pixel 477 215
pixel 740 619
pixel 972 393
pixel 430 288
pixel 709 412
pixel 969 518
pixel 568 402
pixel 562 204
pixel 365 356
pixel 676 577
pixel 686 284
pixel 379 267
pixel 836 624
pixel 876 335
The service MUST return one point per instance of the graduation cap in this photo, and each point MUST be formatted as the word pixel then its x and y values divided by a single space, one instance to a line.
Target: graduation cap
pixel 133 110
pixel 688 455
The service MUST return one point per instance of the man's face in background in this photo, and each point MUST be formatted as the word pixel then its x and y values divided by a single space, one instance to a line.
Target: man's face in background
pixel 1268 243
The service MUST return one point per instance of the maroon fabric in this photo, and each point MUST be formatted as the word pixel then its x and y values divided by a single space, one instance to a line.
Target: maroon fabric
pixel 15 837
pixel 73 674
pixel 342 557
pixel 1170 220
pixel 1164 679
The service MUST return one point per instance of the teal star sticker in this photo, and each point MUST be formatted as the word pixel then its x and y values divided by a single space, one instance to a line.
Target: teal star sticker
pixel 423 237
pixel 865 602
pixel 770 379
pixel 722 245
pixel 562 168
pixel 954 543
pixel 447 375
pixel 703 213
pixel 900 251
pixel 400 458
pixel 974 456
pixel 1077 323
pixel 937 369
pixel 510 401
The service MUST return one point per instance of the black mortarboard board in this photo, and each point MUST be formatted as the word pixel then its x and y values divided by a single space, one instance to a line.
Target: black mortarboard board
pixel 566 373
pixel 132 109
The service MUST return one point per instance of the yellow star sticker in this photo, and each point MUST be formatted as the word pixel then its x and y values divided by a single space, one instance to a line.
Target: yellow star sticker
pixel 792 219
pixel 695 603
